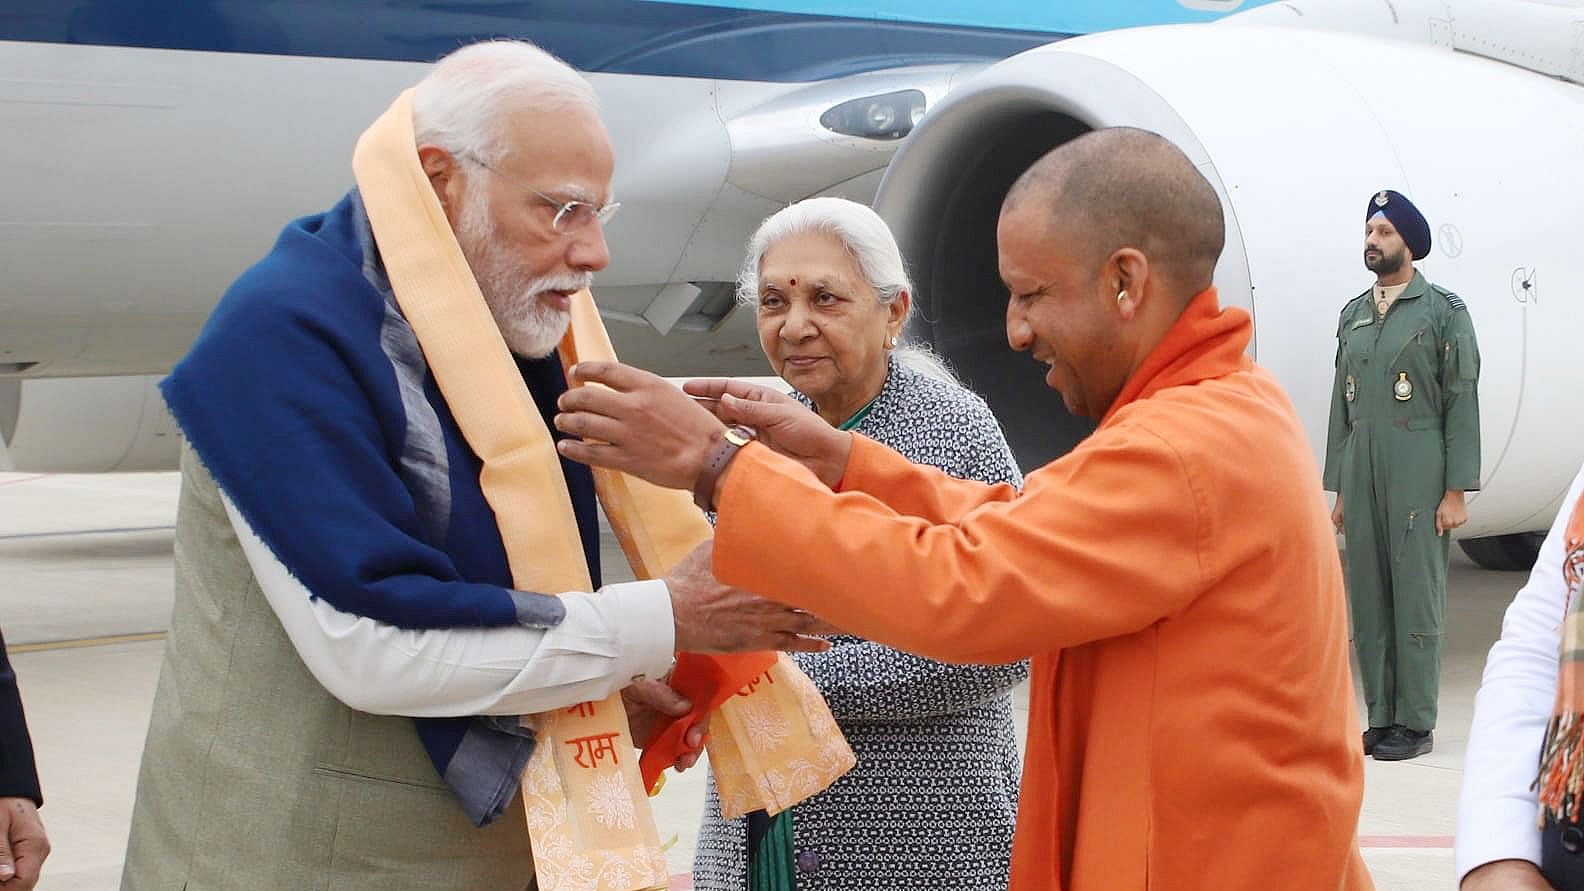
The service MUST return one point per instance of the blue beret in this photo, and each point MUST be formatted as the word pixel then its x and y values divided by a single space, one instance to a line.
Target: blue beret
pixel 1407 219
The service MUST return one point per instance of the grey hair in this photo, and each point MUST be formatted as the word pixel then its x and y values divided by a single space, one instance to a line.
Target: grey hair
pixel 868 241
pixel 461 104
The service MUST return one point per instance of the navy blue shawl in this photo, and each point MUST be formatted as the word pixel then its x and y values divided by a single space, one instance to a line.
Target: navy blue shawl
pixel 309 401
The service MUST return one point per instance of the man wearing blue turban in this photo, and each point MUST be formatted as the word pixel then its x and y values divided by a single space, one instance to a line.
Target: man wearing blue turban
pixel 1403 449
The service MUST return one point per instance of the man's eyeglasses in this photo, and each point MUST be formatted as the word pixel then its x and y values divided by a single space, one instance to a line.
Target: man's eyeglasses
pixel 570 216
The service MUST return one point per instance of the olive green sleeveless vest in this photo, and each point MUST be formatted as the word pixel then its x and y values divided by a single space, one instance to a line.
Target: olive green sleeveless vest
pixel 254 776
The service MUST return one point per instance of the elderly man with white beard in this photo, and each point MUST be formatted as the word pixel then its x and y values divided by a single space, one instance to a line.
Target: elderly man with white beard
pixel 353 643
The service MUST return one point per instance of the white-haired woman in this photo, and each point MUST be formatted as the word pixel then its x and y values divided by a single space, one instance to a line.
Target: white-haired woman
pixel 933 799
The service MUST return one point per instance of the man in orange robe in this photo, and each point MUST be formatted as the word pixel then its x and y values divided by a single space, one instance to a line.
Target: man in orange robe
pixel 1174 577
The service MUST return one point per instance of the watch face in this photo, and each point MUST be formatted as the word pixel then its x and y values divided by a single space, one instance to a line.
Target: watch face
pixel 739 436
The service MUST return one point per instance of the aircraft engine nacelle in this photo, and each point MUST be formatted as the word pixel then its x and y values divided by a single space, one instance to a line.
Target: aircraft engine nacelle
pixel 86 425
pixel 1296 130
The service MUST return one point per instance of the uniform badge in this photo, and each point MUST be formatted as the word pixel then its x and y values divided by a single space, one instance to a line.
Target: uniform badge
pixel 1402 391
pixel 1349 388
pixel 1381 198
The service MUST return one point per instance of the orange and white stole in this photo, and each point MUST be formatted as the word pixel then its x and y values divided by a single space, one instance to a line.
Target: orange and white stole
pixel 773 742
pixel 1561 781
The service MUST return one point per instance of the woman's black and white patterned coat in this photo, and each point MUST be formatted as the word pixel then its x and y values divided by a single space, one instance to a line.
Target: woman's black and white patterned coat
pixel 933 799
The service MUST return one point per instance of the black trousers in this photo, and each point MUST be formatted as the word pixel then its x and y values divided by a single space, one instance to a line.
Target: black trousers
pixel 1562 855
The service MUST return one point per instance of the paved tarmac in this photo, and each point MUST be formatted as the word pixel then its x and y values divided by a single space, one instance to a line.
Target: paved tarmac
pixel 85 597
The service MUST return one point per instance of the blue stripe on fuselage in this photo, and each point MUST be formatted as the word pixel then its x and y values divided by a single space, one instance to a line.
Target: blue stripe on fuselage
pixel 617 36
pixel 1048 17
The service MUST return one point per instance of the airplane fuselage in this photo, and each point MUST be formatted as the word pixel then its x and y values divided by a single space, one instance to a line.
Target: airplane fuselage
pixel 164 147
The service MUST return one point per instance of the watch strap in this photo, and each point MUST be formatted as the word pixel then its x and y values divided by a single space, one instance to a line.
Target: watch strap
pixel 725 449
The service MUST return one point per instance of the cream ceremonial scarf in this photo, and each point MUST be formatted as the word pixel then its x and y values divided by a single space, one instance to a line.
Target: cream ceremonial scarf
pixel 773 742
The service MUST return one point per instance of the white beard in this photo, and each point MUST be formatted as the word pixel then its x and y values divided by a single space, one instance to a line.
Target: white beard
pixel 532 328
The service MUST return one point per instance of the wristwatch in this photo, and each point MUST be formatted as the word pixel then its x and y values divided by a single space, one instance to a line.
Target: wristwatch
pixel 732 439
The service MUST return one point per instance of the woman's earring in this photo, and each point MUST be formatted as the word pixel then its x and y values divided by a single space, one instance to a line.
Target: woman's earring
pixel 1121 296
pixel 891 343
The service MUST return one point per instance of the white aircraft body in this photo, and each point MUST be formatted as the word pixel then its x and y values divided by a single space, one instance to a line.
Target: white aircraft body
pixel 152 163
pixel 1298 112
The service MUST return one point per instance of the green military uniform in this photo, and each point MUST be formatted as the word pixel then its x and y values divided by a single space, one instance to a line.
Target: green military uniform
pixel 1404 430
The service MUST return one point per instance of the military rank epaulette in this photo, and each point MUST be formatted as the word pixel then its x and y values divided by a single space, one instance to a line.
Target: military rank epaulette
pixel 1452 299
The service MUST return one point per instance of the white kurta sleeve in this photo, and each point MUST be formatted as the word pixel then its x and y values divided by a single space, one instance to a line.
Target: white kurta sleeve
pixel 1496 808
pixel 606 640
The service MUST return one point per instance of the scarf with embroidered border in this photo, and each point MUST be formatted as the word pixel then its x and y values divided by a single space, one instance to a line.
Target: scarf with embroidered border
pixel 1561 780
pixel 586 804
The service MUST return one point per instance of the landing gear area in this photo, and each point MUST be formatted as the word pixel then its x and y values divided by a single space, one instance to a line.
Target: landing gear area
pixel 1505 553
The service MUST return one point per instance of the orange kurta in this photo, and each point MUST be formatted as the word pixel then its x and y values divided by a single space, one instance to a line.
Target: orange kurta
pixel 1175 577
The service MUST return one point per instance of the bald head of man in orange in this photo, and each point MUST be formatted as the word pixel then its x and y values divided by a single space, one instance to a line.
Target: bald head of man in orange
pixel 1102 244
pixel 1192 722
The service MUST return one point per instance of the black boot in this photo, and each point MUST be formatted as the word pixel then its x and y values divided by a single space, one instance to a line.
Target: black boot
pixel 1402 744
pixel 1374 735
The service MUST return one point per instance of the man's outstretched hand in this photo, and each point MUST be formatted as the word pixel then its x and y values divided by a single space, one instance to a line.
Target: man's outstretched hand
pixel 636 423
pixel 713 618
pixel 782 423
